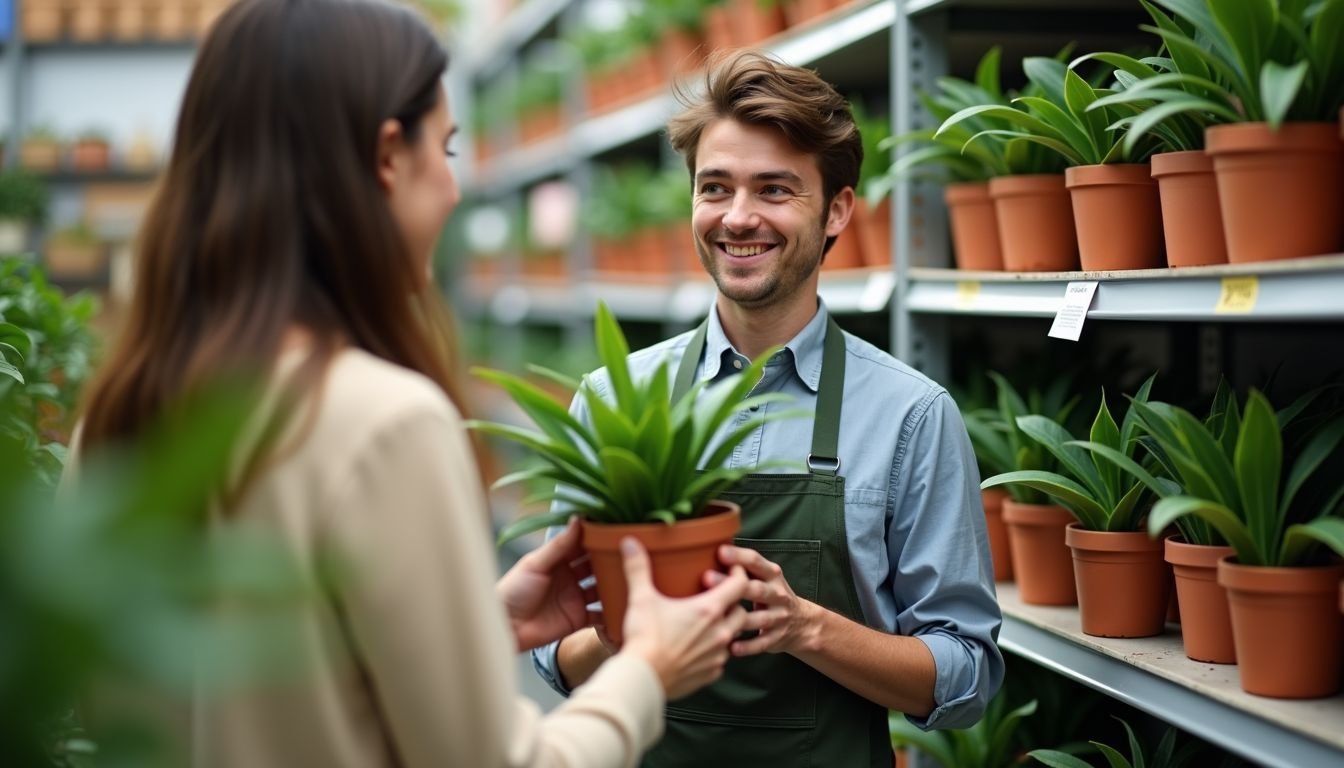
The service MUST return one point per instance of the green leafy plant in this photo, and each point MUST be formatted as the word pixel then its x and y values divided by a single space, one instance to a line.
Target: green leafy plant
pixel 1231 476
pixel 619 205
pixel 1089 483
pixel 1166 755
pixel 874 130
pixel 23 196
pixel 1000 441
pixel 540 86
pixel 643 458
pixel 990 743
pixel 46 348
pixel 1272 60
pixel 1059 117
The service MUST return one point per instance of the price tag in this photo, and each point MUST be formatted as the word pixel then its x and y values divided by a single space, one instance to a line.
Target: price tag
pixel 1069 320
pixel 877 291
pixel 967 292
pixel 1237 296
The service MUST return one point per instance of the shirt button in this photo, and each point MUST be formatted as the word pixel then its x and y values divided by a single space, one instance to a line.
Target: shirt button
pixel 737 364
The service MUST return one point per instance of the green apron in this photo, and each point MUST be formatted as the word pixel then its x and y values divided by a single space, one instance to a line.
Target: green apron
pixel 772 709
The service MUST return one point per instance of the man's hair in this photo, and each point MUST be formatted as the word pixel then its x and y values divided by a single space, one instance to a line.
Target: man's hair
pixel 754 89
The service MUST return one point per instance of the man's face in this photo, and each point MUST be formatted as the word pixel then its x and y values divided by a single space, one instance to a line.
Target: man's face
pixel 758 214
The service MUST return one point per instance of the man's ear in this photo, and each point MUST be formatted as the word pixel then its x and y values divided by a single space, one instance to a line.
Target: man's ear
pixel 842 208
pixel 391 150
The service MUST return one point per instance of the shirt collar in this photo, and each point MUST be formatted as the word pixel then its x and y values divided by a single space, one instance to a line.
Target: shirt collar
pixel 805 348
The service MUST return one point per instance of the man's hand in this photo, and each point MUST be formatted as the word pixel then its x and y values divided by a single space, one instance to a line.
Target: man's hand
pixel 541 593
pixel 784 620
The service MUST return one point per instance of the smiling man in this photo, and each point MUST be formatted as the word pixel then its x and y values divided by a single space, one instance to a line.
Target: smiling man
pixel 872 584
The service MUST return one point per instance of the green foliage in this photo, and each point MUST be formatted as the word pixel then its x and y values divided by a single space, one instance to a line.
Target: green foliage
pixel 45 357
pixel 1002 445
pixel 108 587
pixel 682 14
pixel 637 460
pixel 1099 479
pixel 22 196
pixel 540 86
pixel 1270 60
pixel 1232 477
pixel 990 743
pixel 874 130
pixel 1061 116
pixel 1166 755
pixel 620 205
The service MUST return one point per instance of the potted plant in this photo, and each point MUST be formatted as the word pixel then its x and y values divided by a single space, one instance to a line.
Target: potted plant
pixel 74 252
pixel 1121 578
pixel 990 743
pixel 1164 756
pixel 680 46
pixel 1281 589
pixel 1280 165
pixel 23 204
pixel 1042 564
pixel 667 199
pixel 645 466
pixel 91 151
pixel 872 206
pixel 1116 213
pixel 617 217
pixel 41 149
pixel 537 106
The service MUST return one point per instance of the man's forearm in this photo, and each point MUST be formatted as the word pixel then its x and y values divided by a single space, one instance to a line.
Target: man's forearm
pixel 578 656
pixel 894 671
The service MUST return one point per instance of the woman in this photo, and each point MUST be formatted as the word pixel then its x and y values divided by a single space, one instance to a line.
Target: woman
pixel 291 240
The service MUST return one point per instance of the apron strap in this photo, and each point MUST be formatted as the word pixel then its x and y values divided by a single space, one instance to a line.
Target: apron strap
pixel 824 458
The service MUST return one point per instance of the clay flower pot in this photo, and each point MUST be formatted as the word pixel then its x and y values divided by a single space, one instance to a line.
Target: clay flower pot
pixel 999 550
pixel 1042 563
pixel 1192 222
pixel 847 252
pixel 680 554
pixel 1286 628
pixel 1035 223
pixel 1206 625
pixel 1122 582
pixel 874 232
pixel 1117 215
pixel 975 227
pixel 1281 191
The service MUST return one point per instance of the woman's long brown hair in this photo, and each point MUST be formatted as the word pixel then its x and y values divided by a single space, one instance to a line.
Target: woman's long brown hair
pixel 270 213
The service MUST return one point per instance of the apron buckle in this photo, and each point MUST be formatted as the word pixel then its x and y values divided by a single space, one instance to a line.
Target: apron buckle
pixel 830 466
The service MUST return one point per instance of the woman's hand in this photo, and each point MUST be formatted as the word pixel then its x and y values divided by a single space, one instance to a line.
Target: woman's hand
pixel 541 592
pixel 685 640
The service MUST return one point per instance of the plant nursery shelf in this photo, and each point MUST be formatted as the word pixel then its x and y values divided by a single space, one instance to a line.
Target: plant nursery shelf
pixel 602 133
pixel 1291 290
pixel 917 7
pixel 1153 674
pixel 111 175
pixel 111 46
pixel 553 300
pixel 520 26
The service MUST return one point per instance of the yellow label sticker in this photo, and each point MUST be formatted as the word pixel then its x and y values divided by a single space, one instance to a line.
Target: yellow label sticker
pixel 1238 295
pixel 967 291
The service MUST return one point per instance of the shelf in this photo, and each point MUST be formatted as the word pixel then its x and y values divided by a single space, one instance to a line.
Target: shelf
pixel 595 135
pixel 918 7
pixel 559 300
pixel 111 175
pixel 1153 674
pixel 114 46
pixel 519 27
pixel 1289 290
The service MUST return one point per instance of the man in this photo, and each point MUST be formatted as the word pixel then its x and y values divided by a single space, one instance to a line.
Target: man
pixel 872 583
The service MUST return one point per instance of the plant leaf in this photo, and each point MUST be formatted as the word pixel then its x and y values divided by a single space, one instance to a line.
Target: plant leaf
pixel 1056 759
pixel 1279 87
pixel 1075 461
pixel 1320 447
pixel 1225 521
pixel 1065 491
pixel 1259 462
pixel 1298 539
pixel 530 524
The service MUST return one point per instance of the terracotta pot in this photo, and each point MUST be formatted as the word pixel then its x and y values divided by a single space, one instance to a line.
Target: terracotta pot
pixel 975 227
pixel 680 555
pixel 540 123
pixel 40 154
pixel 1117 215
pixel 847 252
pixel 90 155
pixel 798 12
pixel 755 20
pixel 650 250
pixel 41 20
pixel 1035 223
pixel 1285 627
pixel 1192 222
pixel 719 34
pixel 680 51
pixel 1206 625
pixel 1122 582
pixel 1042 563
pixel 86 21
pixel 130 22
pixel 1000 553
pixel 874 232
pixel 681 248
pixel 1281 192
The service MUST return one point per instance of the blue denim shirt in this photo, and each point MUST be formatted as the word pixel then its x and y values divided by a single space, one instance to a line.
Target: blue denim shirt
pixel 918 547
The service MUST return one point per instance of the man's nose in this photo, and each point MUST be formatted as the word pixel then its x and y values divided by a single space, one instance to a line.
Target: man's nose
pixel 741 215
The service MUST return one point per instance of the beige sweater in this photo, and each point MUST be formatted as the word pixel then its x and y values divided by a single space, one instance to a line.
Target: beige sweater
pixel 412 662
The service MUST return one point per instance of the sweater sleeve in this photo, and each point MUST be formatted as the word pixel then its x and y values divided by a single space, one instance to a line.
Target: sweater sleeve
pixel 420 609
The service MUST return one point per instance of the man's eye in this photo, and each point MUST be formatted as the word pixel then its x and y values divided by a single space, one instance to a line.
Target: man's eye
pixel 712 189
pixel 774 190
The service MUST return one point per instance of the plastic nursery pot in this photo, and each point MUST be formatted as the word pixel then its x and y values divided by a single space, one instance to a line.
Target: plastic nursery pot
pixel 1000 552
pixel 1035 220
pixel 1122 582
pixel 1042 563
pixel 1192 222
pixel 1117 215
pixel 1281 192
pixel 1286 628
pixel 975 227
pixel 1206 625
pixel 679 553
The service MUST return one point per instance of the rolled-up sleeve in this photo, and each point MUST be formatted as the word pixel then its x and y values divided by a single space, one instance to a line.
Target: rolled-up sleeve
pixel 943 582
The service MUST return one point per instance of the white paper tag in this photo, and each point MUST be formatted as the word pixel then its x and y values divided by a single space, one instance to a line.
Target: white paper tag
pixel 877 291
pixel 1069 320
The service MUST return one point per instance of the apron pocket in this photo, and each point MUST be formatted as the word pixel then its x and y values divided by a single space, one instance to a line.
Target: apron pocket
pixel 771 690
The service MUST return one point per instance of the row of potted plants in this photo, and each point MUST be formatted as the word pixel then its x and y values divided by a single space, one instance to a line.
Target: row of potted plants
pixel 44 150
pixel 121 20
pixel 1246 504
pixel 1225 146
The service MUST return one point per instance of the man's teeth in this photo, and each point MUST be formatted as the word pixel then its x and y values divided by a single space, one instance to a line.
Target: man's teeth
pixel 745 250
